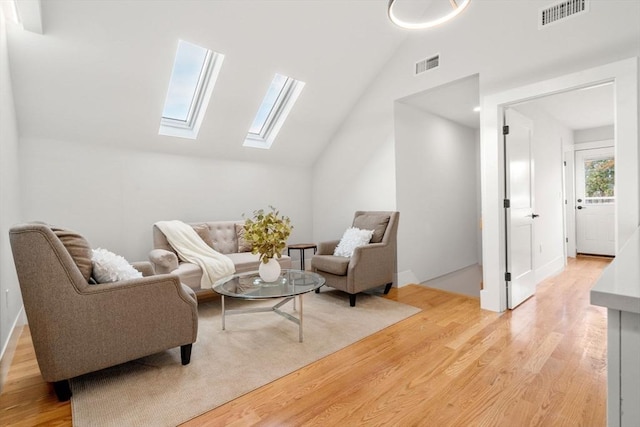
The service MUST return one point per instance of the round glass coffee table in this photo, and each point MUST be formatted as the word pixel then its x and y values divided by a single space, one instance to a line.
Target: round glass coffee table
pixel 249 286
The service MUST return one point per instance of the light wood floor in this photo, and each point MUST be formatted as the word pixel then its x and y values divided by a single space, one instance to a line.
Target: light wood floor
pixel 452 364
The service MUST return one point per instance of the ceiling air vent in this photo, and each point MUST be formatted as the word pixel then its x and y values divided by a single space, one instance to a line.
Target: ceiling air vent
pixel 427 64
pixel 560 11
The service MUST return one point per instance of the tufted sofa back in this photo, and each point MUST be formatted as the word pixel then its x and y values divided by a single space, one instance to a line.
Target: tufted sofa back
pixel 223 236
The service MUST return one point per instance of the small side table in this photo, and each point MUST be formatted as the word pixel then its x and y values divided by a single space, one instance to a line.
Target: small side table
pixel 302 247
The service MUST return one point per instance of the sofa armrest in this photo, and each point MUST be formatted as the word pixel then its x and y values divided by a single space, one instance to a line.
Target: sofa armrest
pixel 327 248
pixel 144 267
pixel 163 261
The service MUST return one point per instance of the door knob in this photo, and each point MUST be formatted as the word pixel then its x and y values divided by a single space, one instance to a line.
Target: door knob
pixel 534 216
pixel 581 207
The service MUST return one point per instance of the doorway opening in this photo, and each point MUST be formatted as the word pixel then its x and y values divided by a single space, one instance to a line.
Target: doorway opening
pixel 595 200
pixel 545 217
pixel 437 147
pixel 624 76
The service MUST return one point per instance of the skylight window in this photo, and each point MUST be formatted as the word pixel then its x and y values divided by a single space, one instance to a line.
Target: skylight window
pixel 276 105
pixel 194 74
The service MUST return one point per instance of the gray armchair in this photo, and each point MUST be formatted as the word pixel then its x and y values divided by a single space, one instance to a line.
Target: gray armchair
pixel 371 266
pixel 79 328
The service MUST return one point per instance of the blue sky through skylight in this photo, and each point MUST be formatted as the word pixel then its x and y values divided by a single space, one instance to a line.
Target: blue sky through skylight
pixel 188 65
pixel 267 103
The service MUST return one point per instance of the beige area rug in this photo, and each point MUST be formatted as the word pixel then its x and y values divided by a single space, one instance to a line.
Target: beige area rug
pixel 254 350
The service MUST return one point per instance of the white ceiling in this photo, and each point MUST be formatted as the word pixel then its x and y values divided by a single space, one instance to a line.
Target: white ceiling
pixel 585 108
pixel 578 109
pixel 454 101
pixel 99 73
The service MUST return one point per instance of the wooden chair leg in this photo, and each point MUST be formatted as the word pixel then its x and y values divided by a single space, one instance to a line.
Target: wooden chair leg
pixel 352 300
pixel 185 354
pixel 62 390
pixel 387 288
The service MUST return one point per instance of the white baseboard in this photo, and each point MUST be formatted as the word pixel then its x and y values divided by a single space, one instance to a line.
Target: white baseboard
pixel 6 357
pixel 407 277
pixel 551 268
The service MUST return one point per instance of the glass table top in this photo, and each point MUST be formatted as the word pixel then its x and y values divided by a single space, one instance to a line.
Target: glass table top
pixel 249 285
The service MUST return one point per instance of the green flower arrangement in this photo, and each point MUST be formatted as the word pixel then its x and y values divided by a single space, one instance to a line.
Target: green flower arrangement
pixel 268 233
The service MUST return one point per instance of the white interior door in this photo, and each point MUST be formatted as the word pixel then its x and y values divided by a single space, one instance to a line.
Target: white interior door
pixel 519 215
pixel 595 201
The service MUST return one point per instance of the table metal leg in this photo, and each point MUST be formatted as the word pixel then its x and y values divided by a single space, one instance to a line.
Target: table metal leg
pixel 223 312
pixel 302 252
pixel 300 332
pixel 275 308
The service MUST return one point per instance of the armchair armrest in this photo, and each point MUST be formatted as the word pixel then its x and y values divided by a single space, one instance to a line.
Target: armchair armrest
pixel 156 312
pixel 327 248
pixel 169 283
pixel 372 263
pixel 163 261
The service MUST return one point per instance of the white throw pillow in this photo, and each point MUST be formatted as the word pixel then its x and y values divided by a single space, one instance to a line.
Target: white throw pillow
pixel 109 267
pixel 351 239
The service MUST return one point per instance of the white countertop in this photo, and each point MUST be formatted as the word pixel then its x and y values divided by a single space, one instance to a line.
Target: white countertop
pixel 619 286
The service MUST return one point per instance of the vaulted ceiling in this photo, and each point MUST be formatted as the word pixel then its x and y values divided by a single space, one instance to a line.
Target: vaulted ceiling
pixel 99 72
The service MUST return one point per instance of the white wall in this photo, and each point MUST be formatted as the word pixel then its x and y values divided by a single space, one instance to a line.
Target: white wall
pixel 10 300
pixel 113 196
pixel 500 41
pixel 436 193
pixel 549 137
pixel 356 170
pixel 602 133
pixel 478 199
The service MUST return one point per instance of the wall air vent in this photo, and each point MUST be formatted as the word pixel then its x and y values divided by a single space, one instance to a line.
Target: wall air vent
pixel 427 64
pixel 560 11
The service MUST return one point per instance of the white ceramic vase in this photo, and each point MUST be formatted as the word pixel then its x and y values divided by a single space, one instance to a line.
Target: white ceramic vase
pixel 270 271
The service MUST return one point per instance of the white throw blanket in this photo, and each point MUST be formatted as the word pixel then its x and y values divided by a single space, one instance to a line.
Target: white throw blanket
pixel 190 247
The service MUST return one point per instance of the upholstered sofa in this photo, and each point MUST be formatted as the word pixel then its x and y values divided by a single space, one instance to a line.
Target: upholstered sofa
pixel 226 237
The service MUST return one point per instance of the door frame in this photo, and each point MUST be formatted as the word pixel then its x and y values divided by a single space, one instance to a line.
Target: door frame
pixel 571 211
pixel 624 75
pixel 569 189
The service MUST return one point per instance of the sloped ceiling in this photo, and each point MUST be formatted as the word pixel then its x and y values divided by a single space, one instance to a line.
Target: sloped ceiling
pixel 99 73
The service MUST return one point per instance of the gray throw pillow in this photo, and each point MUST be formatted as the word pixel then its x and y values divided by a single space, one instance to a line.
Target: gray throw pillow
pixel 377 223
pixel 204 233
pixel 78 248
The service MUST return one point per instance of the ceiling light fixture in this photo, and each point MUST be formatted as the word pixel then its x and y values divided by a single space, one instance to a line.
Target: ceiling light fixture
pixel 457 7
pixel 476 109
